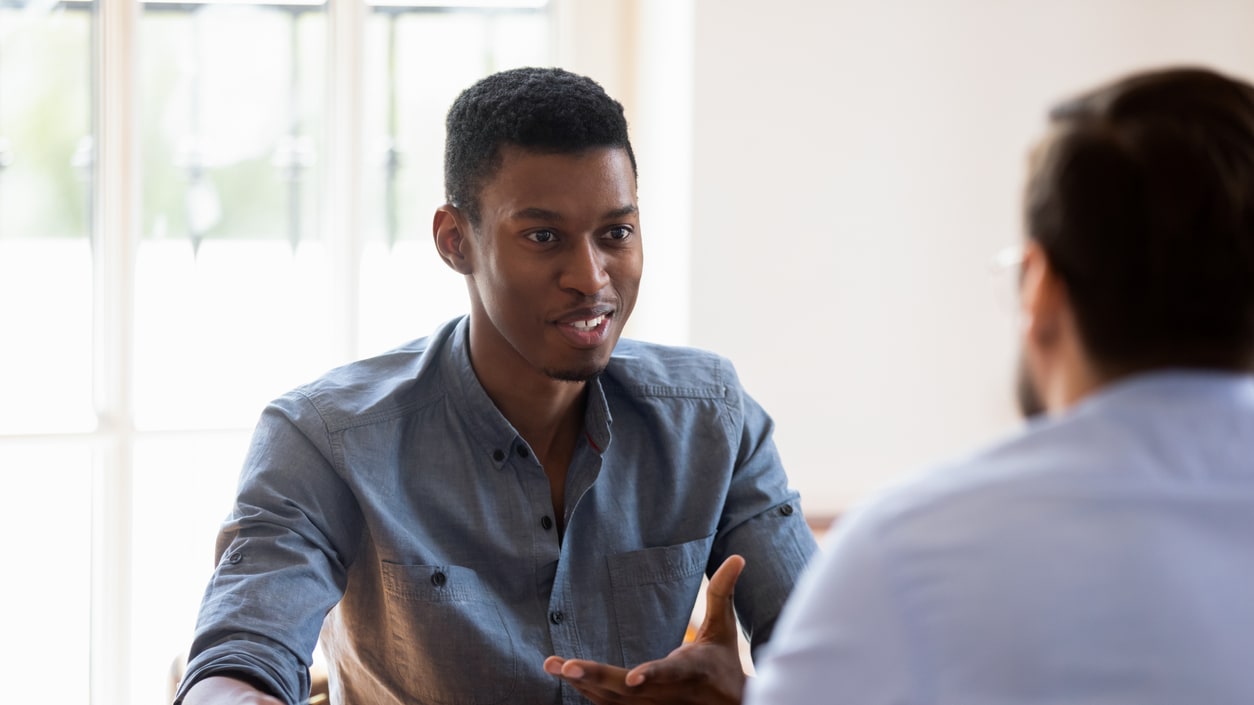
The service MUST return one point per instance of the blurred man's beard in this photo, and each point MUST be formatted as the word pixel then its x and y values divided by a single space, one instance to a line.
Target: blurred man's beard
pixel 1028 395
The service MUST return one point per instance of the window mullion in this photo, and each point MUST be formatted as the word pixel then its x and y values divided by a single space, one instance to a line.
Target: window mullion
pixel 343 173
pixel 115 195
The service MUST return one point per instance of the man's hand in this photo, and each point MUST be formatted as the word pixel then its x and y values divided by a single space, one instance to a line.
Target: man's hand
pixel 706 671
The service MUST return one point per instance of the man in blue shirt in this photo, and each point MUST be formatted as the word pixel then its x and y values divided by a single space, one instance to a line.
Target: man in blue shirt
pixel 521 485
pixel 1103 554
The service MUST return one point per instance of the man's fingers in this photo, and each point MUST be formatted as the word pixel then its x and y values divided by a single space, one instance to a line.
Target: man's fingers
pixel 720 610
pixel 587 673
pixel 723 582
pixel 553 665
pixel 667 670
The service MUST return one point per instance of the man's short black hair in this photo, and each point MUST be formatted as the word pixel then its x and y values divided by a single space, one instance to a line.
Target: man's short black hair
pixel 1142 198
pixel 540 109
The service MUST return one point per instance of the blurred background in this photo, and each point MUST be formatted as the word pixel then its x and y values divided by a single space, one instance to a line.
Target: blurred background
pixel 204 204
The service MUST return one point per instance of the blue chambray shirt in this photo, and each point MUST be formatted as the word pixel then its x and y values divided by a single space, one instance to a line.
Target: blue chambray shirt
pixel 393 495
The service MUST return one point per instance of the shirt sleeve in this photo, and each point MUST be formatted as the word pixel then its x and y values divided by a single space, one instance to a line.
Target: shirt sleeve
pixel 844 637
pixel 282 557
pixel 762 520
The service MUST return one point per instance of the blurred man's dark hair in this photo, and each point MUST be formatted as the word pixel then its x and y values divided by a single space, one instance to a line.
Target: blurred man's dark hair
pixel 1142 198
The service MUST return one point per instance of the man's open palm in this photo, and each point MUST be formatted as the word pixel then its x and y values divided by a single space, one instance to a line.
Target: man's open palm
pixel 704 671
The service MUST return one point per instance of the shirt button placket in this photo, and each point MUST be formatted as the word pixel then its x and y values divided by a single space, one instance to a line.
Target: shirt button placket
pixel 561 629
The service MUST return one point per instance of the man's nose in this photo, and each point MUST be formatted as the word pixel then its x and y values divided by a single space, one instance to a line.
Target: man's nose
pixel 584 268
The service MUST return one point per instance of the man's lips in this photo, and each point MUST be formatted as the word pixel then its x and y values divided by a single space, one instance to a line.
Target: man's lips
pixel 588 324
pixel 585 319
pixel 586 328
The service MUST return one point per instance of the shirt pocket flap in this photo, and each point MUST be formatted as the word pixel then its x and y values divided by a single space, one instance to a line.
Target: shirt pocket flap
pixel 663 564
pixel 433 583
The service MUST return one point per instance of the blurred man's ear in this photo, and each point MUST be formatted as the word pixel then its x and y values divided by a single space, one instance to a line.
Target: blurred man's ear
pixel 451 231
pixel 1054 352
pixel 1043 299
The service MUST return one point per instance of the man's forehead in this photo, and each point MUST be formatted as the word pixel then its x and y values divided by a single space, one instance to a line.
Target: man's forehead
pixel 512 152
pixel 530 175
pixel 626 211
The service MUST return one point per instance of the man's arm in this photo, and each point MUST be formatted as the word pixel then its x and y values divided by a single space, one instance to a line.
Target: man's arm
pixel 762 521
pixel 222 690
pixel 282 560
pixel 704 672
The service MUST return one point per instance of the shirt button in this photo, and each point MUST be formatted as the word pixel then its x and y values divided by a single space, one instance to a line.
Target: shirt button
pixel 235 558
pixel 786 510
pixel 546 523
pixel 498 455
pixel 522 452
pixel 438 578
pixel 556 617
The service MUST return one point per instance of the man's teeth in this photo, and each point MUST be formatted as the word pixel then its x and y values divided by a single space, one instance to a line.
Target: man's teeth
pixel 589 324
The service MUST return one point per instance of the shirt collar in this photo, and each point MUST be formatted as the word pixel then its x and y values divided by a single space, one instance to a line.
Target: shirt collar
pixel 491 430
pixel 597 419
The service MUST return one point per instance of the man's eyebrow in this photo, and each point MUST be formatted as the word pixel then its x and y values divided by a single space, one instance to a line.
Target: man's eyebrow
pixel 623 212
pixel 543 214
pixel 537 214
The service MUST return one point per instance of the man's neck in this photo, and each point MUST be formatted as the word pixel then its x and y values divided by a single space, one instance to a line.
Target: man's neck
pixel 547 413
pixel 1072 375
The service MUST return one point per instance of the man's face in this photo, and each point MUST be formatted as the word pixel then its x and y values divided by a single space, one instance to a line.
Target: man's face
pixel 555 262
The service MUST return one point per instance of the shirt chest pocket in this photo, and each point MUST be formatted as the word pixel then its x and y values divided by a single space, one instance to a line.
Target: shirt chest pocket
pixel 449 643
pixel 655 590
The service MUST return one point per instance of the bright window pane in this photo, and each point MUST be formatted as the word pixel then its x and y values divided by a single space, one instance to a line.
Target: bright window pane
pixel 406 292
pixel 232 99
pixel 45 121
pixel 47 587
pixel 219 334
pixel 232 296
pixel 183 490
pixel 406 289
pixel 45 258
pixel 45 323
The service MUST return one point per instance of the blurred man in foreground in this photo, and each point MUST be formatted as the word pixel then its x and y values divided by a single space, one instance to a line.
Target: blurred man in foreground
pixel 1103 555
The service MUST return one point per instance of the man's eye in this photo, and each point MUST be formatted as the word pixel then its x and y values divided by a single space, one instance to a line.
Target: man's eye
pixel 542 236
pixel 621 232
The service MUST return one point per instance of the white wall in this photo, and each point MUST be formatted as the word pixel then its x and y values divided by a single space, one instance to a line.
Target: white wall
pixel 855 165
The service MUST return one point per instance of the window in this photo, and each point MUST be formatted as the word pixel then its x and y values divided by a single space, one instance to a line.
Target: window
pixel 202 205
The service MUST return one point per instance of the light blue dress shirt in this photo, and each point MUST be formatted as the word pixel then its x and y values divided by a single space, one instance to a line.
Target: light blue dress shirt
pixel 394 495
pixel 1105 556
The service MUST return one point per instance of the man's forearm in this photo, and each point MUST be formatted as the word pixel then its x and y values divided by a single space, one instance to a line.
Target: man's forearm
pixel 224 690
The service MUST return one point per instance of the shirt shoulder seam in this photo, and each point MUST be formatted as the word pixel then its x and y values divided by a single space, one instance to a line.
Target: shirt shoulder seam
pixel 365 419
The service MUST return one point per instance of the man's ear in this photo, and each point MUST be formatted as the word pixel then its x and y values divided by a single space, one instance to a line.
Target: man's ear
pixel 1043 298
pixel 451 231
